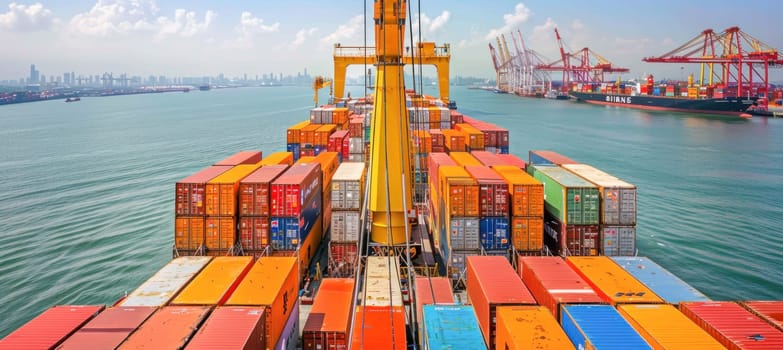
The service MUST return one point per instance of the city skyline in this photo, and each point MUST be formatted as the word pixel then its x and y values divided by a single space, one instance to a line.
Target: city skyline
pixel 198 38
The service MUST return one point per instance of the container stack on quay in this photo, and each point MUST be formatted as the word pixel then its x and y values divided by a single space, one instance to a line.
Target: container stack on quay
pixel 347 192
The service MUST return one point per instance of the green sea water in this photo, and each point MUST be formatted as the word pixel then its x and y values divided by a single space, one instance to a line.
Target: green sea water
pixel 87 189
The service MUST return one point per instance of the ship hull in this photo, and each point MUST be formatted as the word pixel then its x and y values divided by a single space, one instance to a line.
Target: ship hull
pixel 731 106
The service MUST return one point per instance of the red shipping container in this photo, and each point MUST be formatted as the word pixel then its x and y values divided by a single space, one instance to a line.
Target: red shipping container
pixel 510 159
pixel 292 189
pixel 253 232
pixel 549 157
pixel 243 157
pixel 456 118
pixel 487 158
pixel 771 311
pixel 379 328
pixel 189 232
pixel 438 140
pixel 493 191
pixel 327 325
pixel 231 327
pixel 356 127
pixel 220 233
pixel 191 194
pixel 108 329
pixel 553 283
pixel 733 326
pixel 336 141
pixel 578 240
pixel 169 328
pixel 254 190
pixel 434 161
pixel 492 282
pixel 50 328
pixel 431 290
pixel 342 259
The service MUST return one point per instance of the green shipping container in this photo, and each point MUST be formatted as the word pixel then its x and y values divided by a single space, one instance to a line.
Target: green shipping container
pixel 571 199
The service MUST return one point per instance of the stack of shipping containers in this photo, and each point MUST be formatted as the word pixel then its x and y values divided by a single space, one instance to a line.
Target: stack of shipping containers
pixel 340 142
pixel 493 209
pixel 458 218
pixel 496 139
pixel 347 192
pixel 329 162
pixel 526 207
pixel 430 290
pixel 254 213
pixel 379 322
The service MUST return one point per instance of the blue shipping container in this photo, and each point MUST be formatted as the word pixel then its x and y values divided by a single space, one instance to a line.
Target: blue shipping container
pixel 287 233
pixel 319 149
pixel 293 148
pixel 601 326
pixel 662 282
pixel 451 327
pixel 494 233
pixel 504 150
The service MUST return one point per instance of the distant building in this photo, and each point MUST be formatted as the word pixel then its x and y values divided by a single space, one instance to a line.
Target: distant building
pixel 34 75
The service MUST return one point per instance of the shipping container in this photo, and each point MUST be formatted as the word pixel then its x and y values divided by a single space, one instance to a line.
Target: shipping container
pixel 733 326
pixel 494 233
pixel 223 191
pixel 220 233
pixel 464 159
pixel 231 327
pixel 343 259
pixel 457 261
pixel 571 199
pixel 548 158
pixel 293 134
pixel 295 188
pixel 434 162
pixel 345 226
pixel 216 282
pixel 295 149
pixel 527 233
pixel 487 158
pixel 612 282
pixel 474 138
pixel 171 327
pixel 327 325
pixel 348 186
pixel 329 163
pixel 242 157
pixel 307 134
pixel 254 232
pixel 511 159
pixel 422 141
pixel 663 283
pixel 189 232
pixel 618 240
pixel 493 191
pixel 190 192
pixel 618 198
pixel 271 282
pixel 108 329
pixel 438 139
pixel 664 327
pixel 289 337
pixel 492 282
pixel 455 140
pixel 527 193
pixel 463 233
pixel 431 290
pixel 50 328
pixel 379 328
pixel 336 142
pixel 770 311
pixel 167 282
pixel 553 283
pixel 459 190
pixel 382 282
pixel 278 158
pixel 288 233
pixel 529 327
pixel 451 327
pixel 321 135
pixel 254 190
pixel 599 327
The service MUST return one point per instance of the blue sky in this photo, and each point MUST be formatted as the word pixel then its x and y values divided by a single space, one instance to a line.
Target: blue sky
pixel 191 38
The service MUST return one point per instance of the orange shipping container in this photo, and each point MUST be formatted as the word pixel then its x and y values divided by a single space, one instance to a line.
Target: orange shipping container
pixel 329 163
pixel 321 136
pixel 293 133
pixel 665 327
pixel 189 232
pixel 220 233
pixel 529 327
pixel 276 158
pixel 612 282
pixel 171 327
pixel 329 319
pixel 216 282
pixel 464 158
pixel 527 233
pixel 455 140
pixel 271 282
pixel 474 138
pixel 460 192
pixel 422 141
pixel 305 159
pixel 379 328
pixel 307 134
pixel 527 193
pixel 223 191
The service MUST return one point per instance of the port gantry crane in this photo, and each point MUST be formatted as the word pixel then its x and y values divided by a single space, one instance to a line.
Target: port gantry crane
pixel 582 66
pixel 517 73
pixel 319 83
pixel 742 61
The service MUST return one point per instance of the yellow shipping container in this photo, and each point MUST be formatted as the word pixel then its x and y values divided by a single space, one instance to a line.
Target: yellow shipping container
pixel 612 282
pixel 527 193
pixel 529 327
pixel 293 133
pixel 322 134
pixel 474 138
pixel 215 283
pixel 459 191
pixel 665 327
pixel 222 191
pixel 464 158
pixel 329 163
pixel 279 158
pixel 271 282
pixel 305 159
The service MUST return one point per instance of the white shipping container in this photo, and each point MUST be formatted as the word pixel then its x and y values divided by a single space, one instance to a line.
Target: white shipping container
pixel 618 198
pixel 464 233
pixel 382 282
pixel 348 186
pixel 167 282
pixel 356 145
pixel 356 158
pixel 618 240
pixel 345 226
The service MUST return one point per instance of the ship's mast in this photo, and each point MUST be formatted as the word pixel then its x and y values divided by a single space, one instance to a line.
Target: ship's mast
pixel 390 193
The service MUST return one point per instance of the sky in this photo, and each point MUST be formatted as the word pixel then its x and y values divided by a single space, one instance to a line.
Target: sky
pixel 207 38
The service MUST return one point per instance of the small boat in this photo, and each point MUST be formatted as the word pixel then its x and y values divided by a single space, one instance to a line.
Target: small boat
pixel 73 99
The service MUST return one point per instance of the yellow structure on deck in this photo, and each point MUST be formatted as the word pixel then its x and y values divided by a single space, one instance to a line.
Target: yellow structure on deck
pixel 318 84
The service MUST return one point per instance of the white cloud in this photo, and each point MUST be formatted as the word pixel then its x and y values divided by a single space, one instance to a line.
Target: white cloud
pixel 184 24
pixel 348 32
pixel 429 25
pixel 302 35
pixel 510 21
pixel 249 28
pixel 26 18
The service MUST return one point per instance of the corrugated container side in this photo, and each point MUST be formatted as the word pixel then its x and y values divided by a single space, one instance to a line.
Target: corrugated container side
pixel 321 135
pixel 381 285
pixel 491 282
pixel 222 191
pixel 289 337
pixel 271 282
pixel 527 193
pixel 529 327
pixel 618 240
pixel 230 327
pixel 493 191
pixel 770 311
pixel 278 158
pixel 455 140
pixel 663 327
pixel 50 328
pixel 571 240
pixel 329 163
pixel 599 327
pixel 342 259
pixel 345 226
pixel 571 199
pixel 189 232
pixel 327 324
pixel 254 190
pixel 733 326
pixel 242 157
pixel 434 162
pixel 464 233
pixel 474 138
pixel 612 282
pixel 348 186
pixel 527 233
pixel 459 190
pixel 487 158
pixel 494 233
pixel 294 188
pixel 553 283
pixel 618 198
pixel 288 233
pixel 254 233
pixel 431 290
pixel 190 192
pixel 513 160
pixel 171 327
pixel 548 158
pixel 665 284
pixel 215 283
pixel 108 329
pixel 293 133
pixel 450 327
pixel 464 159
pixel 220 233
pixel 167 282
pixel 374 328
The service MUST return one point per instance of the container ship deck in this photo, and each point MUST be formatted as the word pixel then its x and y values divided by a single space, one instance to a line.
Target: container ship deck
pixel 392 222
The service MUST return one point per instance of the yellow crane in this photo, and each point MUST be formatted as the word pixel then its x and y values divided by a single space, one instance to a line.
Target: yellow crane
pixel 320 83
